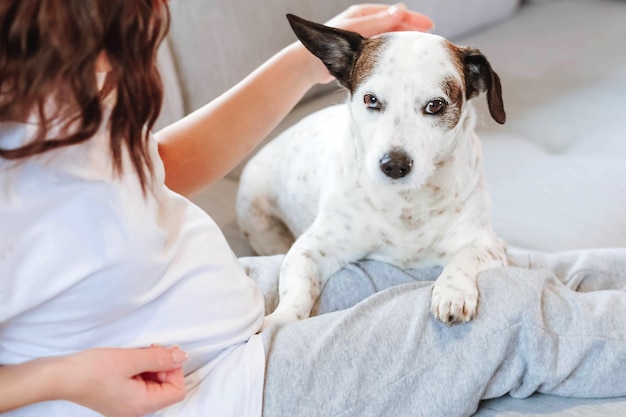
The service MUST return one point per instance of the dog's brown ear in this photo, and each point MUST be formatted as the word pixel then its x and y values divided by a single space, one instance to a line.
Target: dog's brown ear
pixel 336 48
pixel 479 77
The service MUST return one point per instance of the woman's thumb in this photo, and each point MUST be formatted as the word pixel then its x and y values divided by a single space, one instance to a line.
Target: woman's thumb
pixel 158 359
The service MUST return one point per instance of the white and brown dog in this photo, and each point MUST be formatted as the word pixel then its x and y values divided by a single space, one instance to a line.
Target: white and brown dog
pixel 394 174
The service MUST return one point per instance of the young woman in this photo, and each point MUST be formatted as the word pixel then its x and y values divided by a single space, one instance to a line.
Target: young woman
pixel 101 257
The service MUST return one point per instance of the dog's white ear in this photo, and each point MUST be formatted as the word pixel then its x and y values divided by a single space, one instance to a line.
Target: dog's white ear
pixel 338 49
pixel 479 77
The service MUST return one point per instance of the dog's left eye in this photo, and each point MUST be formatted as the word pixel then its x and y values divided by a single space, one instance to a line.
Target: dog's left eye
pixel 371 102
pixel 435 106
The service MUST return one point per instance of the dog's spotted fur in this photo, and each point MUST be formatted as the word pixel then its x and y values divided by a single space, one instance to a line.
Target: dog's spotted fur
pixel 379 179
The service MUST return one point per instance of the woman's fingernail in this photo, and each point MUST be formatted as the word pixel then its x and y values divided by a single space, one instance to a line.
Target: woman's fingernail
pixel 396 8
pixel 179 356
pixel 162 377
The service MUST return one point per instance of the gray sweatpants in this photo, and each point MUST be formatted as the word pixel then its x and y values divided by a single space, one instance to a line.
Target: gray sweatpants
pixel 374 349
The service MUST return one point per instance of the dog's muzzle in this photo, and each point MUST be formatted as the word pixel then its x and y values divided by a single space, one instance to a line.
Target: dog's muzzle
pixel 396 164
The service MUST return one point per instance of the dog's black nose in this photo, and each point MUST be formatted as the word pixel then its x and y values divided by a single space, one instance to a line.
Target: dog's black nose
pixel 396 164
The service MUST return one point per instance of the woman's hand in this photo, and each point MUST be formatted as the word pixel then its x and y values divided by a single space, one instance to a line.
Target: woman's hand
pixel 123 382
pixel 372 19
pixel 113 382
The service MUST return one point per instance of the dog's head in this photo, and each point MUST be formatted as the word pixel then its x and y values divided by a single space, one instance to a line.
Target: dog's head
pixel 408 95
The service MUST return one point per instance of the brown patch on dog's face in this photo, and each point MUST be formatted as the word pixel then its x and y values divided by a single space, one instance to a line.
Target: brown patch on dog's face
pixel 455 55
pixel 454 87
pixel 454 90
pixel 367 61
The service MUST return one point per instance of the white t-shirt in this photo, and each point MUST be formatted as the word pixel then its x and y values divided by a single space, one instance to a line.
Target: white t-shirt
pixel 86 261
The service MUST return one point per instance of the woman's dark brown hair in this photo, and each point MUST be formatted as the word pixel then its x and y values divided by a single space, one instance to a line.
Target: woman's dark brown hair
pixel 48 54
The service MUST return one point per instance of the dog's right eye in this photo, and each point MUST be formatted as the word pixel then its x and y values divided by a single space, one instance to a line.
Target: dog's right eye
pixel 435 106
pixel 371 102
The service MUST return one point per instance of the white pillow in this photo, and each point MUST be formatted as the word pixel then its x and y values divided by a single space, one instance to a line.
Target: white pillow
pixel 555 202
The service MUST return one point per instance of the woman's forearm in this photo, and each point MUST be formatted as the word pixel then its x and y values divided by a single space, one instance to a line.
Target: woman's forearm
pixel 28 383
pixel 202 147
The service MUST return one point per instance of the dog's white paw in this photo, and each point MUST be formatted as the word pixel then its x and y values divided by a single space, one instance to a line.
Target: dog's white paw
pixel 279 318
pixel 454 300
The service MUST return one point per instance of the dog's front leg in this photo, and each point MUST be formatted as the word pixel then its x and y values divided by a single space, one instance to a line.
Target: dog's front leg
pixel 455 292
pixel 301 279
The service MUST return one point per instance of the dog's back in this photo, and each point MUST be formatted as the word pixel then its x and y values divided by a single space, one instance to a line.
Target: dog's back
pixel 279 192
